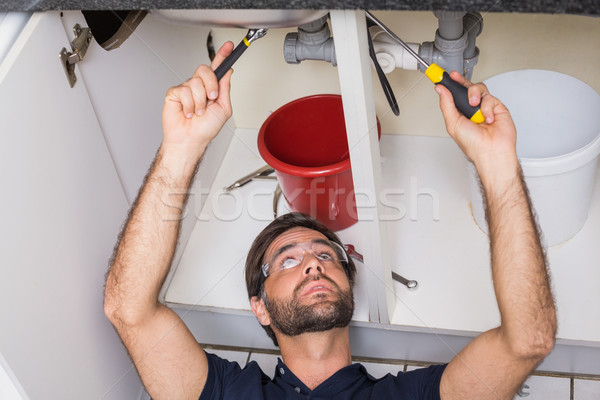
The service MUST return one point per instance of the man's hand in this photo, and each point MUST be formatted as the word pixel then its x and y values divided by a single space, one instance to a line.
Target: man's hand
pixel 195 111
pixel 488 145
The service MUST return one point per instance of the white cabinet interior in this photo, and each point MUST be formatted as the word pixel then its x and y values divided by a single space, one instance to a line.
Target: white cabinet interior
pixel 419 226
pixel 421 209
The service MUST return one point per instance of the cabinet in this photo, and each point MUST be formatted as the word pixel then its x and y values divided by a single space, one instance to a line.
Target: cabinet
pixel 62 205
pixel 73 159
pixel 414 219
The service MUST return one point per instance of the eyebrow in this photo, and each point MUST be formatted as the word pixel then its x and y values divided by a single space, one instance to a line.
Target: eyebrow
pixel 290 245
pixel 283 249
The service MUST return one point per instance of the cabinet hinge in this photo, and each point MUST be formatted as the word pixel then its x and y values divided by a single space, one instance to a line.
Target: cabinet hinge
pixel 79 46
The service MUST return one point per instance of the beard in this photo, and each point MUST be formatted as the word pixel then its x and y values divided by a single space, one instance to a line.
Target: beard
pixel 292 318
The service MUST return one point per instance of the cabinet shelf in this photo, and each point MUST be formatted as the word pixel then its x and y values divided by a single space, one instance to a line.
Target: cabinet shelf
pixel 450 257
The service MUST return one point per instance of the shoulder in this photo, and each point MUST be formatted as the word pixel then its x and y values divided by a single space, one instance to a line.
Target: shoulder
pixel 421 383
pixel 226 378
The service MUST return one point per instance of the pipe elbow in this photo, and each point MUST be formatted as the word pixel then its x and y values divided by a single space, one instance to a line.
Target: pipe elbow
pixel 392 55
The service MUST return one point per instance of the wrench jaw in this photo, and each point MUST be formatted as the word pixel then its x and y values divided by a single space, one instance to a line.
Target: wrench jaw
pixel 410 284
pixel 254 34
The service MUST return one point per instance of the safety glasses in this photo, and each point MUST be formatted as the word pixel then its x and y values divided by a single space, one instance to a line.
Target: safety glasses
pixel 292 255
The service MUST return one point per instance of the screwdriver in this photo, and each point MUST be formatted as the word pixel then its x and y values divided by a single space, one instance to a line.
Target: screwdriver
pixel 438 76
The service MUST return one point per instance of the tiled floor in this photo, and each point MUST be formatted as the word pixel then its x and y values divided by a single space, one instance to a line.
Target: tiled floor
pixel 545 388
pixel 537 386
pixel 586 389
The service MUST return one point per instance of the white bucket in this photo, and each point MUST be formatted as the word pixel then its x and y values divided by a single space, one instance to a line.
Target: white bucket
pixel 558 142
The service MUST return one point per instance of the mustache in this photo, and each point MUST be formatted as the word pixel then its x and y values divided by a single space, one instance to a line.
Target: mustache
pixel 313 278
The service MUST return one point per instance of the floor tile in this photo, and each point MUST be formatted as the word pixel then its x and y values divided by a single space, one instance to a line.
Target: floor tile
pixel 586 389
pixel 379 370
pixel 546 388
pixel 236 356
pixel 267 362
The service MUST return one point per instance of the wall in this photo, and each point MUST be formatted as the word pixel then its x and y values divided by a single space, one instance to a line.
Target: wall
pixel 565 43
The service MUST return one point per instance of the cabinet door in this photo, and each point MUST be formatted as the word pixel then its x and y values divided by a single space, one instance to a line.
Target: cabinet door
pixel 62 206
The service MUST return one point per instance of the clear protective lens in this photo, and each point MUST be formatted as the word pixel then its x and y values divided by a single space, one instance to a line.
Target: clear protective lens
pixel 290 256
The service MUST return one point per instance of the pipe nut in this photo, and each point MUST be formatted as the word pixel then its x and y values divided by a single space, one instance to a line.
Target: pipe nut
pixel 451 46
pixel 313 37
pixel 426 51
pixel 449 15
pixel 315 25
pixel 289 48
pixel 471 62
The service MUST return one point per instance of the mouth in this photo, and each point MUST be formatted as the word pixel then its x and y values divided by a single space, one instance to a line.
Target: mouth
pixel 316 287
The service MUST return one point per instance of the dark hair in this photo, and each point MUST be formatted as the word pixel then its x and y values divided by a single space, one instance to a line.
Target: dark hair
pixel 256 255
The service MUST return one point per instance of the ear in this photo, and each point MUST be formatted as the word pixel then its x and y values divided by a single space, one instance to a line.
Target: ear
pixel 259 309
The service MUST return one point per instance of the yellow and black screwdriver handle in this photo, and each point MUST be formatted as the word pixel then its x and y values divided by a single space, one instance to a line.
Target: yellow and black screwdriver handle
pixel 460 94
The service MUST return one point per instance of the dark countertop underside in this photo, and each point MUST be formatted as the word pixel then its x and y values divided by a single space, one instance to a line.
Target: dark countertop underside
pixel 583 7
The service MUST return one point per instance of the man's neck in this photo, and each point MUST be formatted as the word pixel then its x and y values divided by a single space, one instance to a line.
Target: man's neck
pixel 314 357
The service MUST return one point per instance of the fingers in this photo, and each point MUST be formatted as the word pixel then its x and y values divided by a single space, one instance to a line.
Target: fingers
pixel 224 92
pixel 223 52
pixel 460 79
pixel 204 87
pixel 451 115
pixel 180 98
pixel 208 80
pixel 192 94
pixel 478 95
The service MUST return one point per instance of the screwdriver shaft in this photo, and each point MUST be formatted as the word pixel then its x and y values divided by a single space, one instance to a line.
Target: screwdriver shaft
pixel 438 76
pixel 396 38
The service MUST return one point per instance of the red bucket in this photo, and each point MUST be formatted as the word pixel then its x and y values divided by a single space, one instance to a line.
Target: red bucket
pixel 305 142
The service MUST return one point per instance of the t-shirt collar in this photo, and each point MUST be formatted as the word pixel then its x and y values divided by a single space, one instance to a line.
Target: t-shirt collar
pixel 335 384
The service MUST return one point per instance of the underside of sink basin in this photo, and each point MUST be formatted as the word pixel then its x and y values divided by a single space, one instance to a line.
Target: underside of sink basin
pixel 241 18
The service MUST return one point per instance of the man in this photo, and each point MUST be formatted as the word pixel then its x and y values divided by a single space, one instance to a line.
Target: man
pixel 300 281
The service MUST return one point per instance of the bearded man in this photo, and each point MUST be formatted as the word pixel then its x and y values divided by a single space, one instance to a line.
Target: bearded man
pixel 300 279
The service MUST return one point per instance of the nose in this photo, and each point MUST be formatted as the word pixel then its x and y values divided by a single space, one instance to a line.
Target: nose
pixel 312 265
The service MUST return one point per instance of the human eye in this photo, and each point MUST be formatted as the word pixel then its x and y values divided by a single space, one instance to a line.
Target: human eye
pixel 325 253
pixel 288 262
pixel 326 257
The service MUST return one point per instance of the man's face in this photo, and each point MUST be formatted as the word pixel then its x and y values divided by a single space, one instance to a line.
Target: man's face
pixel 313 296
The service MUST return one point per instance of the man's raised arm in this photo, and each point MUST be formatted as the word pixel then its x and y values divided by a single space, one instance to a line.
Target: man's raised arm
pixel 494 365
pixel 169 360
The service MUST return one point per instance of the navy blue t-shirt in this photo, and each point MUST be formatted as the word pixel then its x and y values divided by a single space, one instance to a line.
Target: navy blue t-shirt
pixel 227 381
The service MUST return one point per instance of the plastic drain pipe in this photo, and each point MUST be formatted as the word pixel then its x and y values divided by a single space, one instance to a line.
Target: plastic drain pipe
pixel 453 49
pixel 311 42
pixel 473 25
pixel 450 42
pixel 390 54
